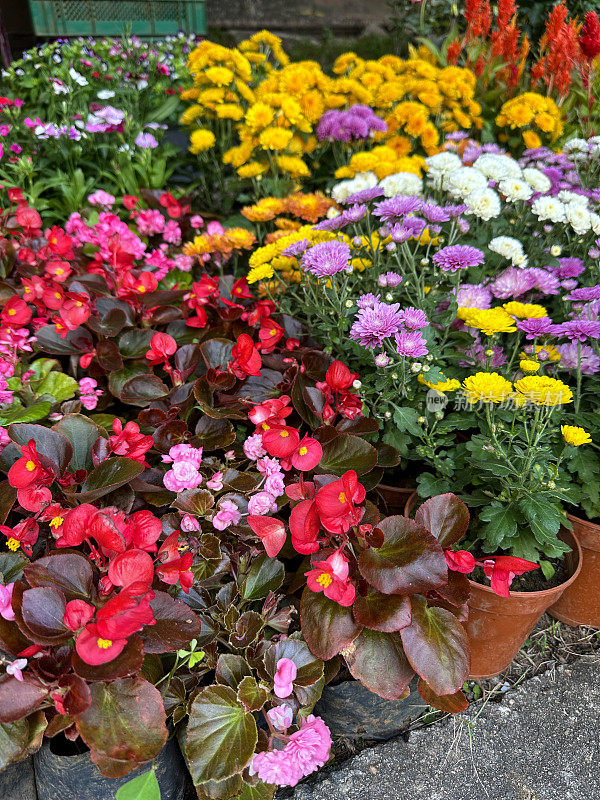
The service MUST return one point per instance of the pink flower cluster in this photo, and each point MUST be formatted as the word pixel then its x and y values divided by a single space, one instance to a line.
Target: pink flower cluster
pixel 184 473
pixel 306 751
pixel 264 502
pixel 89 394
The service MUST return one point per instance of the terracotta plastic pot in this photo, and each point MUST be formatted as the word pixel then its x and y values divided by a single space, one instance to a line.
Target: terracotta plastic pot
pixel 579 604
pixel 395 497
pixel 498 626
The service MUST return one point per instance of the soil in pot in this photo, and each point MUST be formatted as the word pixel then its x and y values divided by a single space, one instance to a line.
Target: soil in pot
pixel 579 604
pixel 63 771
pixel 17 781
pixel 498 626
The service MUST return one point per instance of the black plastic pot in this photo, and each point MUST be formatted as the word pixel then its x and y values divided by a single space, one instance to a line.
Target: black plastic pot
pixel 351 710
pixel 62 772
pixel 17 781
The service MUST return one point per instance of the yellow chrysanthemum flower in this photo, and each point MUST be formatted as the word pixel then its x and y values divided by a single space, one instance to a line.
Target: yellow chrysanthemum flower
pixel 487 320
pixel 527 365
pixel 525 310
pixel 487 387
pixel 574 435
pixel 201 140
pixel 446 385
pixel 260 273
pixel 275 138
pixel 543 391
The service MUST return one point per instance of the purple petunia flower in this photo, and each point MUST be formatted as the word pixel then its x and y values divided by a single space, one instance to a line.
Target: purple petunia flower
pixel 395 207
pixel 578 330
pixel 569 357
pixel 411 344
pixel 473 295
pixel 414 318
pixel 458 256
pixel 373 325
pixel 536 327
pixel 326 258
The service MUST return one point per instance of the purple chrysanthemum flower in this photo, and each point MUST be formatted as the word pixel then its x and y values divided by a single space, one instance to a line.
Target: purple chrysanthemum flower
pixel 331 225
pixel 568 267
pixel 544 281
pixel 390 279
pixel 368 300
pixel 473 295
pixel 411 344
pixel 395 207
pixel 456 211
pixel 373 325
pixel 434 213
pixel 569 358
pixel 327 258
pixel 536 327
pixel 354 213
pixel 364 196
pixel 584 294
pixel 414 318
pixel 512 283
pixel 476 355
pixel 296 248
pixel 415 225
pixel 399 233
pixel 458 256
pixel 578 330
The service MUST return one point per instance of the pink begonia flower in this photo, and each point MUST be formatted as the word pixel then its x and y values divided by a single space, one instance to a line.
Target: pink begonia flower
pixel 189 523
pixel 306 751
pixel 184 452
pixel 216 482
pixel 284 677
pixel 253 447
pixel 6 600
pixel 89 394
pixel 268 466
pixel 172 232
pixel 214 227
pixel 261 503
pixel 196 221
pixel 183 475
pixel 229 455
pixel 101 198
pixel 280 717
pixel 228 514
pixel 184 263
pixel 150 222
pixel 4 439
pixel 275 484
pixel 15 668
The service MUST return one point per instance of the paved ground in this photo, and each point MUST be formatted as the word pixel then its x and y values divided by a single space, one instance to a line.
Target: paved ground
pixel 542 742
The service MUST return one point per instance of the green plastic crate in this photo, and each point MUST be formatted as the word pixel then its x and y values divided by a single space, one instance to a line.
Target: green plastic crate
pixel 146 18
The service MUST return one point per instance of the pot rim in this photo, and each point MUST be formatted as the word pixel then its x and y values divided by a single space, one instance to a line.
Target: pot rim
pixel 542 592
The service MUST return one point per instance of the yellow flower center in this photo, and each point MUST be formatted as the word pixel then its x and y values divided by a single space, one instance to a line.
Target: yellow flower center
pixel 30 466
pixel 59 271
pixel 342 497
pixel 325 580
pixel 11 312
pixel 56 522
pixel 104 644
pixel 13 544
pixel 141 288
pixel 284 434
pixel 303 451
pixel 273 331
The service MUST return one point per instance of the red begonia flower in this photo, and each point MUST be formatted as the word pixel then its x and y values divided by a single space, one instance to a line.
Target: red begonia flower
pixel 338 503
pixel 94 648
pixel 161 347
pixel 331 577
pixel 502 569
pixel 270 531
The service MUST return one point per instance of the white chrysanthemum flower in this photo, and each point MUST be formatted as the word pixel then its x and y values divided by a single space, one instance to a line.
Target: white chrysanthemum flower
pixel 578 217
pixel 362 180
pixel 595 223
pixel 496 166
pixel 567 196
pixel 549 208
pixel 575 145
pixel 537 180
pixel 406 183
pixel 515 189
pixel 509 248
pixel 439 165
pixel 463 181
pixel 333 212
pixel 484 203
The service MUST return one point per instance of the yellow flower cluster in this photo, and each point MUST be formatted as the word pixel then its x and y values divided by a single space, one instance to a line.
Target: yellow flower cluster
pixel 487 320
pixel 491 387
pixel 525 310
pixel 232 240
pixel 263 111
pixel 308 207
pixel 538 118
pixel 574 435
pixel 487 387
pixel 543 391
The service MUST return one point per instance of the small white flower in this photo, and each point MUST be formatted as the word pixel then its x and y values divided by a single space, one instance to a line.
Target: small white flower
pixel 579 217
pixel 537 180
pixel 549 208
pixel 79 79
pixel 567 196
pixel 497 167
pixel 509 248
pixel 484 203
pixel 464 181
pixel 555 250
pixel 402 183
pixel 439 165
pixel 515 189
pixel 595 223
pixel 363 180
pixel 105 94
